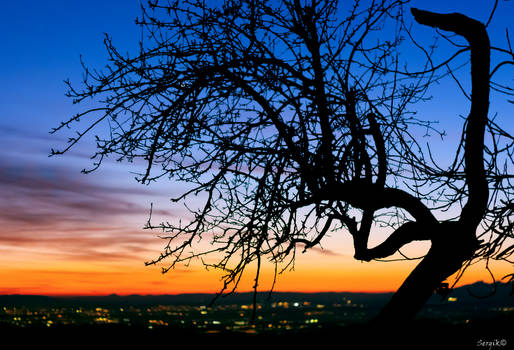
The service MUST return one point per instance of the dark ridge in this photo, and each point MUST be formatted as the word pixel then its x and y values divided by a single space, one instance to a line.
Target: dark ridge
pixel 465 295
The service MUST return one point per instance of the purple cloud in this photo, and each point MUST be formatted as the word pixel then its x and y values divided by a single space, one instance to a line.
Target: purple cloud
pixel 49 207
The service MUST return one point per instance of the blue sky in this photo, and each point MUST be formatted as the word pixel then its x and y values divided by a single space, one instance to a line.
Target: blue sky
pixel 43 41
pixel 41 46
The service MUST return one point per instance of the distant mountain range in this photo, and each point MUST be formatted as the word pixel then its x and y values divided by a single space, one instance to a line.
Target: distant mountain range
pixel 477 293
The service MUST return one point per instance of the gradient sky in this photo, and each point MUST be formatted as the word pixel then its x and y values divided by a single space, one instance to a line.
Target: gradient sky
pixel 62 232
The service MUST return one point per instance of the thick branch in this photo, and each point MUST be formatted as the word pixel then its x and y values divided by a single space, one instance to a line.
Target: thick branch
pixel 407 233
pixel 475 33
pixel 373 197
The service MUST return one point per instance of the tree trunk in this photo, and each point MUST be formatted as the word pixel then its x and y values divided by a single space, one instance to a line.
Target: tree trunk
pixel 453 244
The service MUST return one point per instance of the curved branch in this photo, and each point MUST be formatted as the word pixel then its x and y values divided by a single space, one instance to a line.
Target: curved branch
pixel 366 196
pixel 406 233
pixel 476 35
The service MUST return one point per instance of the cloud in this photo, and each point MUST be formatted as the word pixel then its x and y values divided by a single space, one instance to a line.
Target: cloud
pixel 47 208
pixel 323 251
pixel 80 245
pixel 40 194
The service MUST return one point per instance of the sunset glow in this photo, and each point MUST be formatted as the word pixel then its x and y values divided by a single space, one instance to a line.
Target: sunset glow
pixel 67 233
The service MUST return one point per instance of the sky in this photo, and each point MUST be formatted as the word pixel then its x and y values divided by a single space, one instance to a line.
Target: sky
pixel 66 233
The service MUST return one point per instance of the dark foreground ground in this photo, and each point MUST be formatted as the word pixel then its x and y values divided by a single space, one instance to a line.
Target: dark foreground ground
pixel 496 333
pixel 318 321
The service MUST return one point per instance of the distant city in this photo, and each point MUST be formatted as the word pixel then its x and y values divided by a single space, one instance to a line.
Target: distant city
pixel 233 317
pixel 281 312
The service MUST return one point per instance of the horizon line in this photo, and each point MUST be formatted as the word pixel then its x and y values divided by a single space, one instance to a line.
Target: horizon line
pixel 56 295
pixel 65 295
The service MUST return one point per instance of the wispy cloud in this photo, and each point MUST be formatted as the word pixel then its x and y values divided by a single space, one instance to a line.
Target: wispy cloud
pixel 48 207
pixel 326 252
pixel 37 194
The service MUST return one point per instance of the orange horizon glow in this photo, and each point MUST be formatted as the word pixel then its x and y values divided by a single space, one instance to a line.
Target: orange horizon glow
pixel 313 274
pixel 73 235
pixel 63 233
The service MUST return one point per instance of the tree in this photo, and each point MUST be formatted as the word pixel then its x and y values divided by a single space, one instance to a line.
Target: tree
pixel 292 119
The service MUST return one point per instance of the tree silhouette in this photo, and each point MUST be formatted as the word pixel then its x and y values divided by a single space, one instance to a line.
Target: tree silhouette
pixel 291 119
